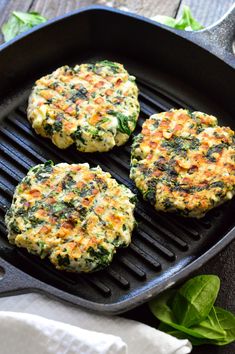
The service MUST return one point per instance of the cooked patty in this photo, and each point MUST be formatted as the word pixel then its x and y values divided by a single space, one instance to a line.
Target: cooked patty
pixel 94 106
pixel 73 214
pixel 184 162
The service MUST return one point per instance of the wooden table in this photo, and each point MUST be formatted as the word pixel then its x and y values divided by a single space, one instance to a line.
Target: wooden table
pixel 206 12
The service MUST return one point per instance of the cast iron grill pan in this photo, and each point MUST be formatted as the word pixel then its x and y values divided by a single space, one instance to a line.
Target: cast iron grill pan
pixel 164 248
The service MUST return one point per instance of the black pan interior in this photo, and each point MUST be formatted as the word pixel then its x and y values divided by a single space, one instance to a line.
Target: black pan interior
pixel 171 73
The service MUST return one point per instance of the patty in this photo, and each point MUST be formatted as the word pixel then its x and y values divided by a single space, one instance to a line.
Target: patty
pixel 184 162
pixel 94 106
pixel 73 214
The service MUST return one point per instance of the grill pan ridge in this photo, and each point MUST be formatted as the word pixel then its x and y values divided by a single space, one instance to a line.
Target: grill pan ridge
pixel 164 249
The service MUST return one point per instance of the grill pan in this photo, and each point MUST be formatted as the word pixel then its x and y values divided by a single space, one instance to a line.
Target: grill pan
pixel 173 69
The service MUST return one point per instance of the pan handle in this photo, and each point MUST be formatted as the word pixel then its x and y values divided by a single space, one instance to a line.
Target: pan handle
pixel 13 280
pixel 218 38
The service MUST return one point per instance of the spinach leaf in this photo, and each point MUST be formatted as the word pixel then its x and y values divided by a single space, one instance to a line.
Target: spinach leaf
pixel 181 335
pixel 48 129
pixel 210 327
pixel 150 193
pixel 161 308
pixel 20 22
pixel 103 120
pixel 227 322
pixel 215 149
pixel 81 93
pixel 113 66
pixel 63 260
pixel 77 135
pixel 14 228
pixel 57 126
pixel 42 247
pixel 185 22
pixel 49 163
pixel 165 20
pixel 123 120
pixel 195 298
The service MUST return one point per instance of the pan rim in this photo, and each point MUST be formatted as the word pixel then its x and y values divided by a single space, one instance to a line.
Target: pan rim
pixel 229 59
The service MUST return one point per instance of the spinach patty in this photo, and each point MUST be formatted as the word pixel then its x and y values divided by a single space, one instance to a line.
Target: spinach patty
pixel 184 162
pixel 94 106
pixel 73 214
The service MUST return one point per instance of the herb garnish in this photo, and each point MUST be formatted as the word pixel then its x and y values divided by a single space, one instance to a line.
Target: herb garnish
pixel 20 22
pixel 189 312
pixel 185 22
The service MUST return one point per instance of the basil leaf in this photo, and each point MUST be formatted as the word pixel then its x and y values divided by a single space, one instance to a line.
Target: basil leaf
pixel 185 22
pixel 20 22
pixel 195 298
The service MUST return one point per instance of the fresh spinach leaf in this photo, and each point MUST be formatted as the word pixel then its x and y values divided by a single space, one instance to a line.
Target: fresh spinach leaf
pixel 194 300
pixel 210 327
pixel 165 20
pixel 161 308
pixel 185 22
pixel 181 335
pixel 20 22
pixel 227 322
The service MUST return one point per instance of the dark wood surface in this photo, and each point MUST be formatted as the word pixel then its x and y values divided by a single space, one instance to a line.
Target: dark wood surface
pixel 206 12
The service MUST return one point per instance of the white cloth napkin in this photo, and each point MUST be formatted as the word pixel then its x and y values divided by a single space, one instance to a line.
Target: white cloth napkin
pixel 26 334
pixel 34 323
